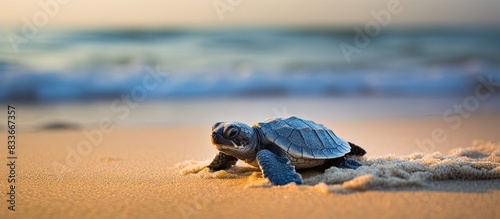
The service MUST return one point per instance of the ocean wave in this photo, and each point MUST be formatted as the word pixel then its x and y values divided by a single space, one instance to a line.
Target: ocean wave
pixel 108 84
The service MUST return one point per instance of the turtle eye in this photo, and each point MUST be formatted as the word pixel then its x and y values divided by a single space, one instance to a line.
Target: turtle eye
pixel 232 132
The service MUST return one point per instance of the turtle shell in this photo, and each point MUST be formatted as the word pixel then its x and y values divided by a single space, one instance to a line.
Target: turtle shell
pixel 303 138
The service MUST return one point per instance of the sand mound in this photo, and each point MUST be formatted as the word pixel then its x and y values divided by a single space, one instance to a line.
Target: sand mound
pixel 479 162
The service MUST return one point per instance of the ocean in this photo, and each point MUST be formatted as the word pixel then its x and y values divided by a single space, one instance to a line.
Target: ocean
pixel 62 66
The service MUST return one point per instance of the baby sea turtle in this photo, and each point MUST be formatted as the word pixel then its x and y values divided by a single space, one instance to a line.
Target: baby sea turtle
pixel 279 145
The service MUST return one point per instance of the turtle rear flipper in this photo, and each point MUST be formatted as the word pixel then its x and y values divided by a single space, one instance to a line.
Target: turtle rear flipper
pixel 356 150
pixel 348 163
pixel 277 168
pixel 340 162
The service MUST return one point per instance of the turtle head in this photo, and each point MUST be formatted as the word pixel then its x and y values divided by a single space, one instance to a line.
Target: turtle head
pixel 235 139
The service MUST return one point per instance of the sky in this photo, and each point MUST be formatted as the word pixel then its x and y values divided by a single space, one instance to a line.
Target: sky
pixel 221 13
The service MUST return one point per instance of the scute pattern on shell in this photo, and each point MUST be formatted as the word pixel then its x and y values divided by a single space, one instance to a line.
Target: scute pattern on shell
pixel 303 139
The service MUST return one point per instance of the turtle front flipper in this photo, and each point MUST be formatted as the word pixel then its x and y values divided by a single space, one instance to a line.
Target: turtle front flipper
pixel 222 161
pixel 277 168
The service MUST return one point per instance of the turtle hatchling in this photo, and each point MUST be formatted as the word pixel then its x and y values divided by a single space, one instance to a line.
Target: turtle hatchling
pixel 278 146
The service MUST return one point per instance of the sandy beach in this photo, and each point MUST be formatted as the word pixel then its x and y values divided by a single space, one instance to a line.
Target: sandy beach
pixel 143 172
pixel 106 108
